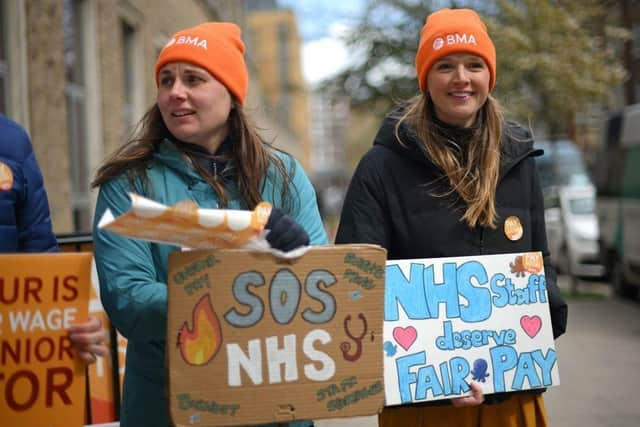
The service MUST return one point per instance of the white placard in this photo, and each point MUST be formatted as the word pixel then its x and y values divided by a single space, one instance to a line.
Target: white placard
pixel 450 321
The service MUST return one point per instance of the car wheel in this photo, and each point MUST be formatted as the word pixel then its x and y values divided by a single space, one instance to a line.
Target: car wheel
pixel 621 287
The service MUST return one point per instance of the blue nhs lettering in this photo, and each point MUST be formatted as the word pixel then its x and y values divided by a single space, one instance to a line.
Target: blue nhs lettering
pixel 420 296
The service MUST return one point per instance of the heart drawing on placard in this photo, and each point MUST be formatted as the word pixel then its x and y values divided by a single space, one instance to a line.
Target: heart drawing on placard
pixel 405 336
pixel 531 325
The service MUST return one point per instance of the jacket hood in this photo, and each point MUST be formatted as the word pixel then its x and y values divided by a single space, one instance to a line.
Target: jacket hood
pixel 517 142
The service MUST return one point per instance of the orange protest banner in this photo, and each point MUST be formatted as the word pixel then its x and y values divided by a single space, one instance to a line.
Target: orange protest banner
pixel 42 380
pixel 102 391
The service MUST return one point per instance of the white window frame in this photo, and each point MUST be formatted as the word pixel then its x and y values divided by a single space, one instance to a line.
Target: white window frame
pixel 15 27
pixel 82 198
pixel 133 18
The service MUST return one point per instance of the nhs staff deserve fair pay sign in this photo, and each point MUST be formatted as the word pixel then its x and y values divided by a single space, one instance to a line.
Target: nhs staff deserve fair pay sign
pixel 451 321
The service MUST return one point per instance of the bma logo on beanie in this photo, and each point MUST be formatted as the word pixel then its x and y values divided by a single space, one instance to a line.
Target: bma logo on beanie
pixel 215 46
pixel 451 31
pixel 453 39
pixel 195 41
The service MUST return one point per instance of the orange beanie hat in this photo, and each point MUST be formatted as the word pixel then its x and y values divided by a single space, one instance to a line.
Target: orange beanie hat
pixel 450 31
pixel 214 46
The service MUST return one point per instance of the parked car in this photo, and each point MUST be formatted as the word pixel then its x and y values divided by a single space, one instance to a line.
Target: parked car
pixel 570 217
pixel 617 174
pixel 562 165
pixel 578 252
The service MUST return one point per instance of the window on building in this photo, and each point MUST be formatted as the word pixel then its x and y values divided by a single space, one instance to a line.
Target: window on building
pixel 4 62
pixel 75 93
pixel 283 67
pixel 128 77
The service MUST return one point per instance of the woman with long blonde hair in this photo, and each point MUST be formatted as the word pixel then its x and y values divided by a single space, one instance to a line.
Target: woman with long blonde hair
pixel 448 177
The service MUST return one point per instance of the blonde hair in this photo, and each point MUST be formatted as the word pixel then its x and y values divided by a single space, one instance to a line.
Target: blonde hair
pixel 474 180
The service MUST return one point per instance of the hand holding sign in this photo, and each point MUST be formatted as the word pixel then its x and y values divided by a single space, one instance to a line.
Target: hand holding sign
pixel 476 397
pixel 89 339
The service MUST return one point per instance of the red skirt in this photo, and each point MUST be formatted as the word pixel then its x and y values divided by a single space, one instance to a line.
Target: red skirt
pixel 521 410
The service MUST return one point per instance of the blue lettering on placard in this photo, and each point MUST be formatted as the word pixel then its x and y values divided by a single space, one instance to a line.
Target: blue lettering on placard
pixel 407 293
pixel 452 340
pixel 539 282
pixel 500 294
pixel 328 301
pixel 245 297
pixel 450 381
pixel 478 307
pixel 284 296
pixel 427 380
pixel 405 376
pixel 506 358
pixel 546 364
pixel 445 372
pixel 505 292
pixel 420 296
pixel 445 292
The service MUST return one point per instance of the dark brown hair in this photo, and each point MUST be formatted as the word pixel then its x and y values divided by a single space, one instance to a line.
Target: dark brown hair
pixel 250 154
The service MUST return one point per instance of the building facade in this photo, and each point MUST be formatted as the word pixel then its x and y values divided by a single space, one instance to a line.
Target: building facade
pixel 78 75
pixel 275 50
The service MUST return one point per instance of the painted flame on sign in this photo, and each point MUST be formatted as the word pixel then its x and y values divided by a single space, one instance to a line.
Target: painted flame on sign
pixel 200 344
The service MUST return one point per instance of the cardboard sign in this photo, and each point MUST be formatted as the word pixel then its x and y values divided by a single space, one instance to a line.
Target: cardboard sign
pixel 253 339
pixel 101 376
pixel 450 321
pixel 42 380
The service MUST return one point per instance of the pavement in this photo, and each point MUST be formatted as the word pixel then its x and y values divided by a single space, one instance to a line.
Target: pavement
pixel 599 363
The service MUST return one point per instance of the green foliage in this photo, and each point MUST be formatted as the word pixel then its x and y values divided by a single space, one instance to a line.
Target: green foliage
pixel 555 58
pixel 385 42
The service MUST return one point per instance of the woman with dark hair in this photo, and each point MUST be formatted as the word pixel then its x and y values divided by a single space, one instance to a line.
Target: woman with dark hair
pixel 448 177
pixel 196 143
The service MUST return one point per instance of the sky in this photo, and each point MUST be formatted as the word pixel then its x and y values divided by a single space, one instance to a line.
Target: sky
pixel 321 24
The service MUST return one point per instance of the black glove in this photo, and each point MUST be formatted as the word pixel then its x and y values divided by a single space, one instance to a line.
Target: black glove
pixel 284 233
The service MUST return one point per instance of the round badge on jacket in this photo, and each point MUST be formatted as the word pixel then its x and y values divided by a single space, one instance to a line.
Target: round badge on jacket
pixel 6 177
pixel 513 228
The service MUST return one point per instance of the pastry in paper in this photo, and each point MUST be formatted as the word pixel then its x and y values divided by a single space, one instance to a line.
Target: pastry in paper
pixel 186 225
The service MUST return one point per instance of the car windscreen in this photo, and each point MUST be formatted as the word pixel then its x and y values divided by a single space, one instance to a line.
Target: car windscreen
pixel 582 205
pixel 562 165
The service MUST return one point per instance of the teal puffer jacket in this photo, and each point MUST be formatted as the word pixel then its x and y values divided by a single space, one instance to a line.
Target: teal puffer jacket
pixel 133 273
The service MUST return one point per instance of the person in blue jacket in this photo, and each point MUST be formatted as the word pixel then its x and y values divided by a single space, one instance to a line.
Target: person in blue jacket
pixel 195 143
pixel 25 222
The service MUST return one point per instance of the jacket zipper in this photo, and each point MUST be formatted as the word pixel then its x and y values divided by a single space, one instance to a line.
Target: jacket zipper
pixel 503 173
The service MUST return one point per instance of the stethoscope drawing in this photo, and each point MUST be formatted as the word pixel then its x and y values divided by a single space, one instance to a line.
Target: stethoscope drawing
pixel 346 346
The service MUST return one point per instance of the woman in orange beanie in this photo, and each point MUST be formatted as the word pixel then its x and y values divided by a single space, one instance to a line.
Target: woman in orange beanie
pixel 447 176
pixel 195 143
